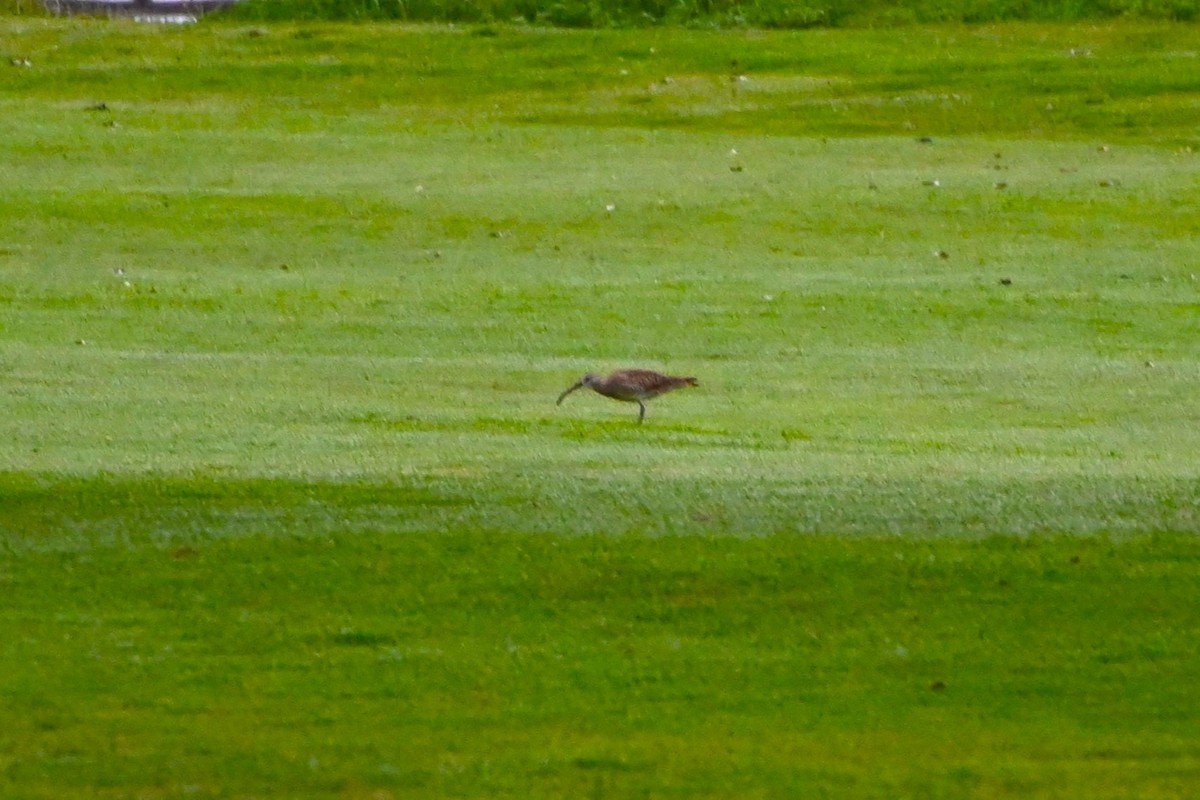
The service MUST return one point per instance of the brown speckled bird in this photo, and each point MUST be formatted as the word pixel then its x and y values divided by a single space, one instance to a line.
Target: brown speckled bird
pixel 630 386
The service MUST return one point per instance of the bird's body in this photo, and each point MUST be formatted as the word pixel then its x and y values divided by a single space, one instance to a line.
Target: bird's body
pixel 631 386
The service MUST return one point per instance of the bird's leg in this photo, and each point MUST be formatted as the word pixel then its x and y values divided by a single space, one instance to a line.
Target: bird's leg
pixel 642 412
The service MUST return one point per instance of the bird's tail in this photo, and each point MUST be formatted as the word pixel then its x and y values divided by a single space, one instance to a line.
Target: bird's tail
pixel 691 381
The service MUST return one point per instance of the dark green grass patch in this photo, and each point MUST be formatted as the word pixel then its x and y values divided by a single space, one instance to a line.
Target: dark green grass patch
pixel 1115 81
pixel 492 664
pixel 727 14
pixel 786 14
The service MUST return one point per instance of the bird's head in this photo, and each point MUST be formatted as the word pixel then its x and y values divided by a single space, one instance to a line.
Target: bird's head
pixel 589 380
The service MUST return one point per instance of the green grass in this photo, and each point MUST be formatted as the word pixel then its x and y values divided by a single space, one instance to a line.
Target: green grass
pixel 725 14
pixel 785 14
pixel 502 665
pixel 287 508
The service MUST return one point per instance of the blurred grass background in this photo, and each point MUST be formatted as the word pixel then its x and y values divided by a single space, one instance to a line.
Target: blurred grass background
pixel 287 507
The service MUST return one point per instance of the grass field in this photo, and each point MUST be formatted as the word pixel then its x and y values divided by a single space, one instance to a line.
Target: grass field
pixel 287 508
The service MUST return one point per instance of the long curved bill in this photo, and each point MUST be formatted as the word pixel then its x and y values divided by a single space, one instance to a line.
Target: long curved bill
pixel 563 396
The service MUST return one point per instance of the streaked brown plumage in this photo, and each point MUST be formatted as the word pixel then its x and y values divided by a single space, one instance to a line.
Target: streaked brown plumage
pixel 630 386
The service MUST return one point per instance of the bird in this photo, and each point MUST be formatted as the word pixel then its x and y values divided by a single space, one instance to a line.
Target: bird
pixel 631 386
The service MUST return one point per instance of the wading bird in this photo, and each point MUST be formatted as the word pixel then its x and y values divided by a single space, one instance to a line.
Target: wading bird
pixel 630 386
